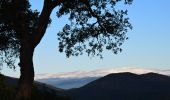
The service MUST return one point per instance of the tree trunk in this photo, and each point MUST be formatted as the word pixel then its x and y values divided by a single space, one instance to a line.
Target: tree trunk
pixel 26 73
pixel 28 43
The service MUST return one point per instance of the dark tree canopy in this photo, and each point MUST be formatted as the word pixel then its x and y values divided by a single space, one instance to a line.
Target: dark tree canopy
pixel 94 25
pixel 10 36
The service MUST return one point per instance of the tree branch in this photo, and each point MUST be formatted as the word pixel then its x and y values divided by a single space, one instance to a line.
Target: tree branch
pixel 43 22
pixel 86 2
pixel 57 2
pixel 49 5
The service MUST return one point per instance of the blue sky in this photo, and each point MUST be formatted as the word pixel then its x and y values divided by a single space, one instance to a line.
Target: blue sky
pixel 148 45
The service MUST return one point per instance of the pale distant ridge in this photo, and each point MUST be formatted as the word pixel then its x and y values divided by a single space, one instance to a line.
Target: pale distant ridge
pixel 101 72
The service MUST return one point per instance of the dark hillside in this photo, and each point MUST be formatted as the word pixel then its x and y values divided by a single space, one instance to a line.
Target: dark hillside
pixel 40 91
pixel 125 86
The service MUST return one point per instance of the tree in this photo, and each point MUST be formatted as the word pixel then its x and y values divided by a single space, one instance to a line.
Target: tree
pixel 95 25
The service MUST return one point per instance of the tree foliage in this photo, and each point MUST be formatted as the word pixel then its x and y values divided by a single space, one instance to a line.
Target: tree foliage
pixel 10 36
pixel 94 25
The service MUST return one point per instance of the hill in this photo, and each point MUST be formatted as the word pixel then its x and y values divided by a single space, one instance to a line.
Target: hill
pixel 119 86
pixel 40 91
pixel 76 79
pixel 125 86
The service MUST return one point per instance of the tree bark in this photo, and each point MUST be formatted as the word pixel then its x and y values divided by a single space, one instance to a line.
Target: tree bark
pixel 26 73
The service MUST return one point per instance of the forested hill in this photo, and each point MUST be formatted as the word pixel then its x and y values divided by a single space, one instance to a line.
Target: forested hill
pixel 125 86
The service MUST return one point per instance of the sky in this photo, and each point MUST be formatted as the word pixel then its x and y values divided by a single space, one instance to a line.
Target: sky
pixel 148 45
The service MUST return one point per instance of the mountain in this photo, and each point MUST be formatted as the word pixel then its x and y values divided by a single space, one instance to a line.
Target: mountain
pixel 101 72
pixel 116 86
pixel 78 79
pixel 125 86
pixel 68 83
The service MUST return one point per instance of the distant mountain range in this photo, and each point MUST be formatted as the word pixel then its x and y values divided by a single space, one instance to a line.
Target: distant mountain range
pixel 80 78
pixel 115 86
pixel 125 86
pixel 68 83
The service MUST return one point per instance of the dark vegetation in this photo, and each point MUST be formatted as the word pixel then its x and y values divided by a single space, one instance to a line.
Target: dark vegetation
pixel 39 91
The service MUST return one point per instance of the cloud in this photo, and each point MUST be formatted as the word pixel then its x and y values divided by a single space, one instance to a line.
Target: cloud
pixel 101 72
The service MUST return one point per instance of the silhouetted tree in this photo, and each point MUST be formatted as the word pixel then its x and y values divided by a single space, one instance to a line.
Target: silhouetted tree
pixel 95 25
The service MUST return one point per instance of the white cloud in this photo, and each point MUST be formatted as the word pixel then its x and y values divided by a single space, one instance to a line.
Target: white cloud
pixel 101 72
